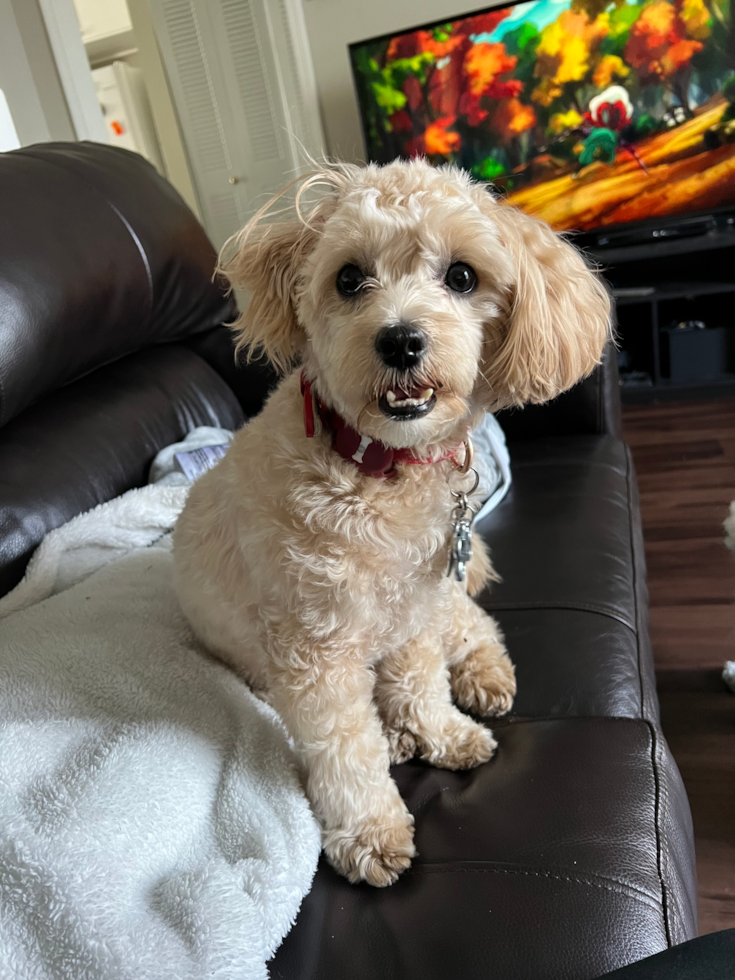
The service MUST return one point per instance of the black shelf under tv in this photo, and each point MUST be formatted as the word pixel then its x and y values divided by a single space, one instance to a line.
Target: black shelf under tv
pixel 650 341
pixel 714 240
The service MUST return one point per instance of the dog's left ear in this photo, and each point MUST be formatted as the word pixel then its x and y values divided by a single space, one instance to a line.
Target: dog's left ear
pixel 267 264
pixel 558 317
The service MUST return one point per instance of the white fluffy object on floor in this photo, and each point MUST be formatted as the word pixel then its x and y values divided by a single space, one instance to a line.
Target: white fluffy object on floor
pixel 152 823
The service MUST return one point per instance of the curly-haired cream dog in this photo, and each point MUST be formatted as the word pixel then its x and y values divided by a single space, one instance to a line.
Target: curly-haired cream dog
pixel 314 557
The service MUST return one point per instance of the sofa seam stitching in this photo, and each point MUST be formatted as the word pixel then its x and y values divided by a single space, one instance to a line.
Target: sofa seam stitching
pixel 634 572
pixel 671 898
pixel 660 860
pixel 573 607
pixel 659 849
pixel 609 884
pixel 503 721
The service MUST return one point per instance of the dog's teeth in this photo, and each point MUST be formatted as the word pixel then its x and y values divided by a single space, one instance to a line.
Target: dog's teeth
pixel 423 396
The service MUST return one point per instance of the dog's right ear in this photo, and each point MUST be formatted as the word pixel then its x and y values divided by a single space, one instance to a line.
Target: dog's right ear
pixel 267 265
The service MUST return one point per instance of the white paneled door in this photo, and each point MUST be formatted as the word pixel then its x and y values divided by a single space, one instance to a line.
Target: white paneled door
pixel 241 79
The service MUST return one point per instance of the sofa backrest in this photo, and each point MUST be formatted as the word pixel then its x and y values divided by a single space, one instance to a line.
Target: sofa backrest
pixel 99 258
pixel 108 315
pixel 591 407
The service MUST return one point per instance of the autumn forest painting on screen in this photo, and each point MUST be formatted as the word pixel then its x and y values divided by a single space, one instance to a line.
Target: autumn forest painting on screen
pixel 585 112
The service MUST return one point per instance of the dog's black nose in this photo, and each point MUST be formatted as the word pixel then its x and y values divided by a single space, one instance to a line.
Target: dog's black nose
pixel 401 346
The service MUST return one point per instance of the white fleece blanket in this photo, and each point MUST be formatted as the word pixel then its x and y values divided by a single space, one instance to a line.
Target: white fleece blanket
pixel 152 823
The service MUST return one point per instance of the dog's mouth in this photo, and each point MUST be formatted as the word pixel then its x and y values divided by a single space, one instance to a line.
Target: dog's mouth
pixel 404 404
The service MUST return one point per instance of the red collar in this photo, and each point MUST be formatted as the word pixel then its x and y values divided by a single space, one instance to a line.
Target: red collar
pixel 371 457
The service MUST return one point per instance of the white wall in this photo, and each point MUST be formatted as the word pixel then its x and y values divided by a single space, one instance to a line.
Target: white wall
pixel 62 31
pixel 332 25
pixel 8 136
pixel 100 18
pixel 28 75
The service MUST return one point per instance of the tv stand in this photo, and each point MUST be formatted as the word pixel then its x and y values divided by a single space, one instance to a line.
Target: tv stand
pixel 657 306
pixel 702 236
pixel 671 283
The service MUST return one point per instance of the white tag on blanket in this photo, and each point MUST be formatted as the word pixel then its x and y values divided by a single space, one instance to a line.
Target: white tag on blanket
pixel 196 462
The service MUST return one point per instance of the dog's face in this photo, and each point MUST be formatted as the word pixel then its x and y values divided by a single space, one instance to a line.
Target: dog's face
pixel 414 298
pixel 397 297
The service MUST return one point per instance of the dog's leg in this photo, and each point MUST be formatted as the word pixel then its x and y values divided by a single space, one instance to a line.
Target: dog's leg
pixel 482 675
pixel 326 702
pixel 415 702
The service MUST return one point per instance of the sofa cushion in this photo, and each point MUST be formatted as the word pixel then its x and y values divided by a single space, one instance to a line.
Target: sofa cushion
pixel 572 663
pixel 561 539
pixel 95 439
pixel 567 542
pixel 544 862
pixel 99 258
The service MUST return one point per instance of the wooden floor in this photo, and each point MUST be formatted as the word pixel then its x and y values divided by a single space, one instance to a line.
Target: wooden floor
pixel 685 458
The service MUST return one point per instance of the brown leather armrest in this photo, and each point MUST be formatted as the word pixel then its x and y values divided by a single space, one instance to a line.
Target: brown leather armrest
pixel 591 407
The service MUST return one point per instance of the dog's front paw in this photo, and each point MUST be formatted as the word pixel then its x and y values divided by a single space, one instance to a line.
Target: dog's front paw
pixel 485 681
pixel 463 745
pixel 376 852
pixel 402 745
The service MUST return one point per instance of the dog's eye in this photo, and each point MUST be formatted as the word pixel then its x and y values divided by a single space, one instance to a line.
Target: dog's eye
pixel 461 278
pixel 349 279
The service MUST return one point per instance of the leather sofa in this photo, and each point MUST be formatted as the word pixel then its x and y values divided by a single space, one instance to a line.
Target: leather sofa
pixel 569 854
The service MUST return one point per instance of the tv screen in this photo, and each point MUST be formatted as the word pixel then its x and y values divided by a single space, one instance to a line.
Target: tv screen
pixel 586 113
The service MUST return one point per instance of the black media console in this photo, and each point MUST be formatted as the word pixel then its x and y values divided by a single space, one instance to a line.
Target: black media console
pixel 675 300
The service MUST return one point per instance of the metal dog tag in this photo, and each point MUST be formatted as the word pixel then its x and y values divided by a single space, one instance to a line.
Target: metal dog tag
pixel 461 550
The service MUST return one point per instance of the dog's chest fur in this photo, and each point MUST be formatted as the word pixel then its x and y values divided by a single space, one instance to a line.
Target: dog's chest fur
pixel 363 558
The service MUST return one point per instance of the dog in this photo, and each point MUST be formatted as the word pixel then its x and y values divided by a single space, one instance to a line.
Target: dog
pixel 313 558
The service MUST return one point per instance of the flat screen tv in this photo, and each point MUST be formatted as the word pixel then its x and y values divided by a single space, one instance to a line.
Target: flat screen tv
pixel 587 113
